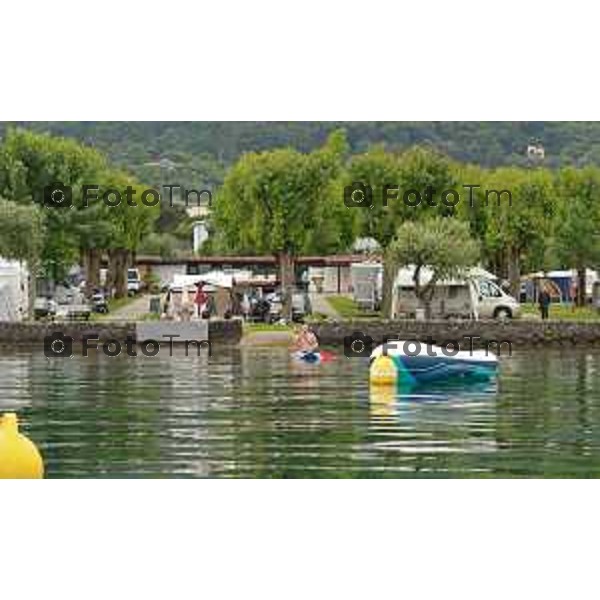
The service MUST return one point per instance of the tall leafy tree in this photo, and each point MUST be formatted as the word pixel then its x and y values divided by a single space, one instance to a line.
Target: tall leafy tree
pixel 30 164
pixel 21 231
pixel 124 226
pixel 285 203
pixel 413 185
pixel 519 225
pixel 578 223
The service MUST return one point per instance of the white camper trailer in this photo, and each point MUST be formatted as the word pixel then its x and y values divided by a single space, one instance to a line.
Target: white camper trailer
pixel 452 298
pixel 471 296
pixel 14 292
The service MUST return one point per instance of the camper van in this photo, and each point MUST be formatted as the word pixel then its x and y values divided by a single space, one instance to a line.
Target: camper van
pixel 14 291
pixel 473 296
pixel 493 302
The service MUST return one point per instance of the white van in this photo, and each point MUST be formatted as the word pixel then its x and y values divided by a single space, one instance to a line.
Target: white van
pixel 473 296
pixel 493 302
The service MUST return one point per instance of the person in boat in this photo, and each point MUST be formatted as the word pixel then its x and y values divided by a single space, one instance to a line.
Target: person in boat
pixel 306 340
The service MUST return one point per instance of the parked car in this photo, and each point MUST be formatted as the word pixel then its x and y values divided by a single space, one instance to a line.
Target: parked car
pixel 73 311
pixel 275 301
pixel 301 306
pixel 134 283
pixel 44 308
pixel 260 310
pixel 99 303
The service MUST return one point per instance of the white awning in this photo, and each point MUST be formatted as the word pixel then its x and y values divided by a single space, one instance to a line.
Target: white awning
pixel 213 278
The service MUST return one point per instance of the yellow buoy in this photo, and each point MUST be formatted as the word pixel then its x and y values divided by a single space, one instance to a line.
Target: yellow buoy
pixel 19 457
pixel 383 371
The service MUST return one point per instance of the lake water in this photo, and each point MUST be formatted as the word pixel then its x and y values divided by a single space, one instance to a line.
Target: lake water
pixel 255 413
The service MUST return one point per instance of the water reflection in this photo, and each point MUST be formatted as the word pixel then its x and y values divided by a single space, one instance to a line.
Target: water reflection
pixel 256 413
pixel 15 393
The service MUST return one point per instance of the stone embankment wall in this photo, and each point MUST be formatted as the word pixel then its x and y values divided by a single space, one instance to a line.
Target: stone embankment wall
pixel 27 333
pixel 518 333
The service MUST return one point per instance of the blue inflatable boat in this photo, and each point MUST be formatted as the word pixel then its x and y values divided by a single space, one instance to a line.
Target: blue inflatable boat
pixel 318 356
pixel 407 362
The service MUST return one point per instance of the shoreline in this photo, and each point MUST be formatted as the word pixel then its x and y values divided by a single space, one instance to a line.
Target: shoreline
pixel 520 332
pixel 466 334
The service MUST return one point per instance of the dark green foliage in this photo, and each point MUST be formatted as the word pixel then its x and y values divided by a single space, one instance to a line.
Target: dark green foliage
pixel 198 153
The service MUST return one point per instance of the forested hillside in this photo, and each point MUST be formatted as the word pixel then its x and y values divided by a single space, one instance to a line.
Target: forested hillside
pixel 199 152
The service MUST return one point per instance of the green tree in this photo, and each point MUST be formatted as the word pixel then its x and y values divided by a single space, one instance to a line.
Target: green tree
pixel 31 163
pixel 443 245
pixel 419 174
pixel 126 227
pixel 285 203
pixel 520 221
pixel 578 224
pixel 21 231
pixel 165 245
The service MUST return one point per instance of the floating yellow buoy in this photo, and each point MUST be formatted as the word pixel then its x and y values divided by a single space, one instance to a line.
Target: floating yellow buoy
pixel 19 458
pixel 383 371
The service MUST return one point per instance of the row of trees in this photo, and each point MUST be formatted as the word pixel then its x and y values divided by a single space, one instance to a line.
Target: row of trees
pixel 286 203
pixel 52 239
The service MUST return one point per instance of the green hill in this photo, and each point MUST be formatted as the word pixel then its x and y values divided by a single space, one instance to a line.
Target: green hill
pixel 199 152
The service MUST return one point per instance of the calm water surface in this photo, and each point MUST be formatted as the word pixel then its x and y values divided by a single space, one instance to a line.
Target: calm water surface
pixel 255 413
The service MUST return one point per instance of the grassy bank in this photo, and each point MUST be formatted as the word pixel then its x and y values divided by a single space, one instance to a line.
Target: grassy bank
pixel 348 309
pixel 257 327
pixel 562 312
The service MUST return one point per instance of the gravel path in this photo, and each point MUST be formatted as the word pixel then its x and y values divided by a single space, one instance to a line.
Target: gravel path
pixel 320 305
pixel 131 311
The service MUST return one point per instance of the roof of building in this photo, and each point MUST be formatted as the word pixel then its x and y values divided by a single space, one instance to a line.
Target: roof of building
pixel 331 260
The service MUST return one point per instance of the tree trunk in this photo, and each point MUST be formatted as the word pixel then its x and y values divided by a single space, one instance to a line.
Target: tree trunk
pixel 111 271
pixel 500 267
pixel 418 289
pixel 286 269
pixel 427 304
pixel 92 257
pixel 514 272
pixel 388 289
pixel 32 272
pixel 425 296
pixel 122 264
pixel 581 287
pixel 117 271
